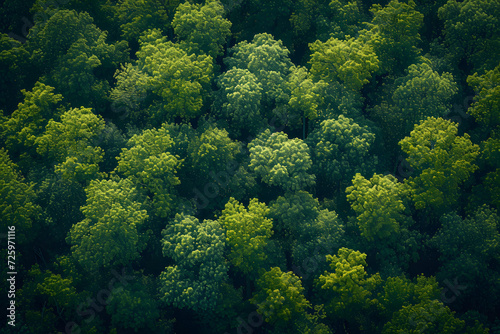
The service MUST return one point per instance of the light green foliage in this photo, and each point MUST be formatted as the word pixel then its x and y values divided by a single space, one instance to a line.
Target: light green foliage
pixel 239 101
pixel 179 80
pixel 137 16
pixel 486 106
pixel 394 35
pixel 280 161
pixel 352 61
pixel 441 161
pixel 379 205
pixel 17 207
pixel 134 307
pixel 340 148
pixel 422 93
pixel 108 235
pixel 149 164
pixel 348 290
pixel 429 316
pixel 202 29
pixel 280 297
pixel 268 60
pixel 247 233
pixel 195 280
pixel 31 117
pixel 69 144
pixel 479 19
pixel 466 247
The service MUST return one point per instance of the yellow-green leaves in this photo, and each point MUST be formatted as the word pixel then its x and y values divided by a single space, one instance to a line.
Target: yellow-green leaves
pixel 486 106
pixel 352 61
pixel 247 233
pixel 379 204
pixel 442 161
pixel 348 288
pixel 150 165
pixel 280 297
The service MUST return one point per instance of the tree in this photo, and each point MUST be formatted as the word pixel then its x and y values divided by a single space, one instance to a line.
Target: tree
pixel 280 298
pixel 441 161
pixel 486 106
pixel 202 28
pixel 379 205
pixel 467 246
pixel 423 93
pixel 17 204
pixel 280 161
pixel 70 59
pixel 108 236
pixel 340 148
pixel 148 163
pixel 352 61
pixel 69 144
pixel 268 60
pixel 178 79
pixel 238 101
pixel 134 307
pixel 137 16
pixel 394 35
pixel 478 18
pixel 348 291
pixel 27 122
pixel 247 233
pixel 426 317
pixel 195 280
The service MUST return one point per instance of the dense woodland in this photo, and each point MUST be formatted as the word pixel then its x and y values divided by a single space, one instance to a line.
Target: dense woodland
pixel 251 166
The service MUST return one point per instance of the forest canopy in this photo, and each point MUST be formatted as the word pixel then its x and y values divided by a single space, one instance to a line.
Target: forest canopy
pixel 250 166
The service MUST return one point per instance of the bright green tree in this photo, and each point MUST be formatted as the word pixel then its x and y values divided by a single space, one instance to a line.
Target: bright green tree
pixel 339 148
pixel 352 61
pixel 441 160
pixel 348 291
pixel 394 35
pixel 280 298
pixel 28 121
pixel 379 205
pixel 108 236
pixel 15 65
pixel 70 144
pixel 280 161
pixel 247 234
pixel 478 18
pixel 179 80
pixel 196 278
pixel 202 29
pixel 149 164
